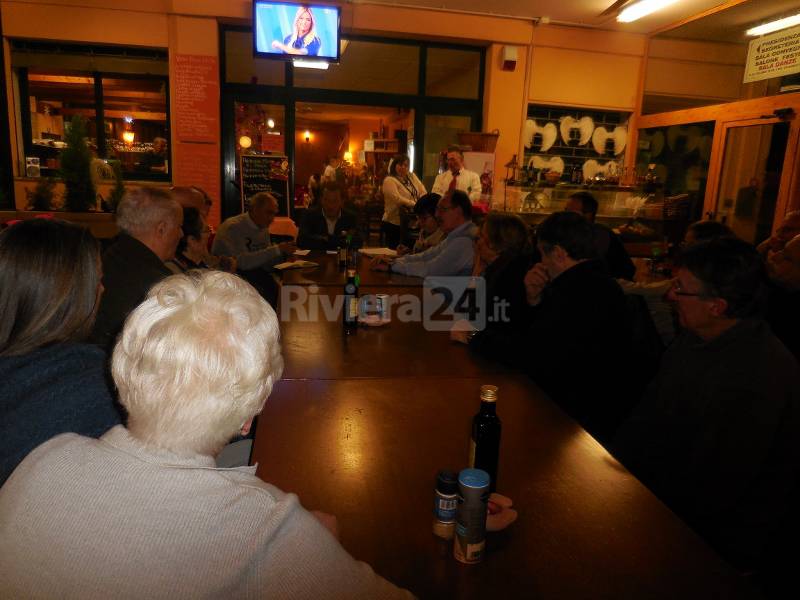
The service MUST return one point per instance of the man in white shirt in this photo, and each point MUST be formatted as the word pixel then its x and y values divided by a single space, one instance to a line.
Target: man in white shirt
pixel 457 177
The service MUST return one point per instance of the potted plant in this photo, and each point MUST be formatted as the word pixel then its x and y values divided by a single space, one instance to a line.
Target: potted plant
pixel 76 159
pixel 42 196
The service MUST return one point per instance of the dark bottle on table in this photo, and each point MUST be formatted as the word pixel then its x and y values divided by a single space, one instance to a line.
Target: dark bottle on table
pixel 350 306
pixel 484 447
pixel 343 249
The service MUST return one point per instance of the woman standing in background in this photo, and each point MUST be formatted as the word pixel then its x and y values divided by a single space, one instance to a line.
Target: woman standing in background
pixel 401 190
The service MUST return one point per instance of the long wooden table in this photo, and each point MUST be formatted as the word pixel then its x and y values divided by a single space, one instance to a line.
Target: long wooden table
pixel 360 425
pixel 330 274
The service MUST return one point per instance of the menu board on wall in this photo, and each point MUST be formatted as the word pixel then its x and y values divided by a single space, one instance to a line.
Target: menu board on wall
pixel 264 173
pixel 196 98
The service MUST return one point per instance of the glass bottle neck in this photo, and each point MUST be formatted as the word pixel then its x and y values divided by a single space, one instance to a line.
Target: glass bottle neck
pixel 488 408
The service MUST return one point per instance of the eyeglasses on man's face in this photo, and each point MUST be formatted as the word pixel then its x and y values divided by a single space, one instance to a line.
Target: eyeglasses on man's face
pixel 678 290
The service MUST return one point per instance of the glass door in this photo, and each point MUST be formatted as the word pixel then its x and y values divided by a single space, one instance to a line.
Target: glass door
pixel 750 180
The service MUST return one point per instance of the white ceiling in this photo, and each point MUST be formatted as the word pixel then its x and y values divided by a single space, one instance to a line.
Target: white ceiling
pixel 585 13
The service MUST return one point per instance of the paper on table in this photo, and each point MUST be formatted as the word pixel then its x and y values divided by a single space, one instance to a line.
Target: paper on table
pixel 297 264
pixel 301 252
pixel 378 252
pixel 331 252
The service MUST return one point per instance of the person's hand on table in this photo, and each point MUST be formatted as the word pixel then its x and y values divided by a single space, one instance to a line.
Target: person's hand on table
pixel 535 281
pixel 287 247
pixel 403 250
pixel 329 522
pixel 379 263
pixel 461 331
pixel 500 514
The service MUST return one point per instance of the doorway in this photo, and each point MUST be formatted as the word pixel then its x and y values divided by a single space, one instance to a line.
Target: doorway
pixel 750 178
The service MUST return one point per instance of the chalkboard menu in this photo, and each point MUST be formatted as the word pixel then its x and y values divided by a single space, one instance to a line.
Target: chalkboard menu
pixel 260 173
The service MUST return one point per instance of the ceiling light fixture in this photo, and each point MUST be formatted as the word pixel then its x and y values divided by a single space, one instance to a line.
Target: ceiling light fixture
pixel 775 25
pixel 310 64
pixel 642 9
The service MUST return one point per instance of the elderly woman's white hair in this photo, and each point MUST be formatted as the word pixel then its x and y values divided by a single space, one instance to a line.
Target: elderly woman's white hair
pixel 143 208
pixel 196 361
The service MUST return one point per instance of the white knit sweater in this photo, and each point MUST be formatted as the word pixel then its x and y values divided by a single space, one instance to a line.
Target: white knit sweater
pixel 111 518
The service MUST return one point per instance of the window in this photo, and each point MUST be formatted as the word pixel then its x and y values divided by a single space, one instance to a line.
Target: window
pixel 135 125
pixel 453 73
pixel 127 112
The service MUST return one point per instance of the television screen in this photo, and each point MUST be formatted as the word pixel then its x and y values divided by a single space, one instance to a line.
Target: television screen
pixel 288 31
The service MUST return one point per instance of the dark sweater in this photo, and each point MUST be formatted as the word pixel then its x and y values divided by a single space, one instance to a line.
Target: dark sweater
pixel 313 233
pixel 782 316
pixel 575 344
pixel 51 391
pixel 130 269
pixel 717 436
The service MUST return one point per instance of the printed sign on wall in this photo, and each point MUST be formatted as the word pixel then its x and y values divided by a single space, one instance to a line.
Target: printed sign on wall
pixel 773 55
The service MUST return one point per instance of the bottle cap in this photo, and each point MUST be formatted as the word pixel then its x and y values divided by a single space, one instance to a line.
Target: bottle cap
pixel 447 482
pixel 351 272
pixel 488 393
pixel 473 478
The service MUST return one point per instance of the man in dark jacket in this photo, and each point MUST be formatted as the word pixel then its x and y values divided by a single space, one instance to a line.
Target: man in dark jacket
pixel 576 340
pixel 328 227
pixel 150 229
pixel 609 247
pixel 783 304
pixel 716 436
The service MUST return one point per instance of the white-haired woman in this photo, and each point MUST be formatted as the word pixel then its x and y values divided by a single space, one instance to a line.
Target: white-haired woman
pixel 143 511
pixel 303 40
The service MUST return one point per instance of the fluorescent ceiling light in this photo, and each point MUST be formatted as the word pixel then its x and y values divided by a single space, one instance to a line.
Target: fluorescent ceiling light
pixel 775 25
pixel 310 64
pixel 642 9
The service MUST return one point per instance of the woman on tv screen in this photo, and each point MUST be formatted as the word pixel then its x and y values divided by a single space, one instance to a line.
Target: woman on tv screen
pixel 303 40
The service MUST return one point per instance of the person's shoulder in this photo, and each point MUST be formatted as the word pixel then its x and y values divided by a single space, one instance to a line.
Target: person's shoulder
pixel 231 222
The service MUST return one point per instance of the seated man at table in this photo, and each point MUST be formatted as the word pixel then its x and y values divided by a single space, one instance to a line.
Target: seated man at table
pixel 716 435
pixel 783 302
pixel 575 342
pixel 246 238
pixel 609 246
pixel 454 255
pixel 329 226
pixel 150 222
pixel 143 512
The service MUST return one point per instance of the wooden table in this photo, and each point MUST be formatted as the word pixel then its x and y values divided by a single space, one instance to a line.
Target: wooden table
pixel 360 425
pixel 329 274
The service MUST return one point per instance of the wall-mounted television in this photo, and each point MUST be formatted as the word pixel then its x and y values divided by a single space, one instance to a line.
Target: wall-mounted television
pixel 286 31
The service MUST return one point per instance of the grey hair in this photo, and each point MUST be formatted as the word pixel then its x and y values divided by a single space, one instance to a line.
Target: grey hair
pixel 261 198
pixel 196 360
pixel 143 208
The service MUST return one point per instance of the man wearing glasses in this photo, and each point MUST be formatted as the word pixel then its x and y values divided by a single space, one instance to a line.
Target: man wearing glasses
pixel 452 256
pixel 716 434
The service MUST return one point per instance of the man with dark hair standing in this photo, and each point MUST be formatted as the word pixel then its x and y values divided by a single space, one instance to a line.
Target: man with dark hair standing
pixel 609 246
pixel 783 267
pixel 457 177
pixel 716 436
pixel 576 342
pixel 321 228
pixel 454 255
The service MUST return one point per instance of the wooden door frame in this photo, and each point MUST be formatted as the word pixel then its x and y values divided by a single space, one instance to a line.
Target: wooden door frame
pixel 736 114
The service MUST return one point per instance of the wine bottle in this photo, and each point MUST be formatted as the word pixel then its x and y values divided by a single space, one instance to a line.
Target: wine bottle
pixel 484 448
pixel 350 306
